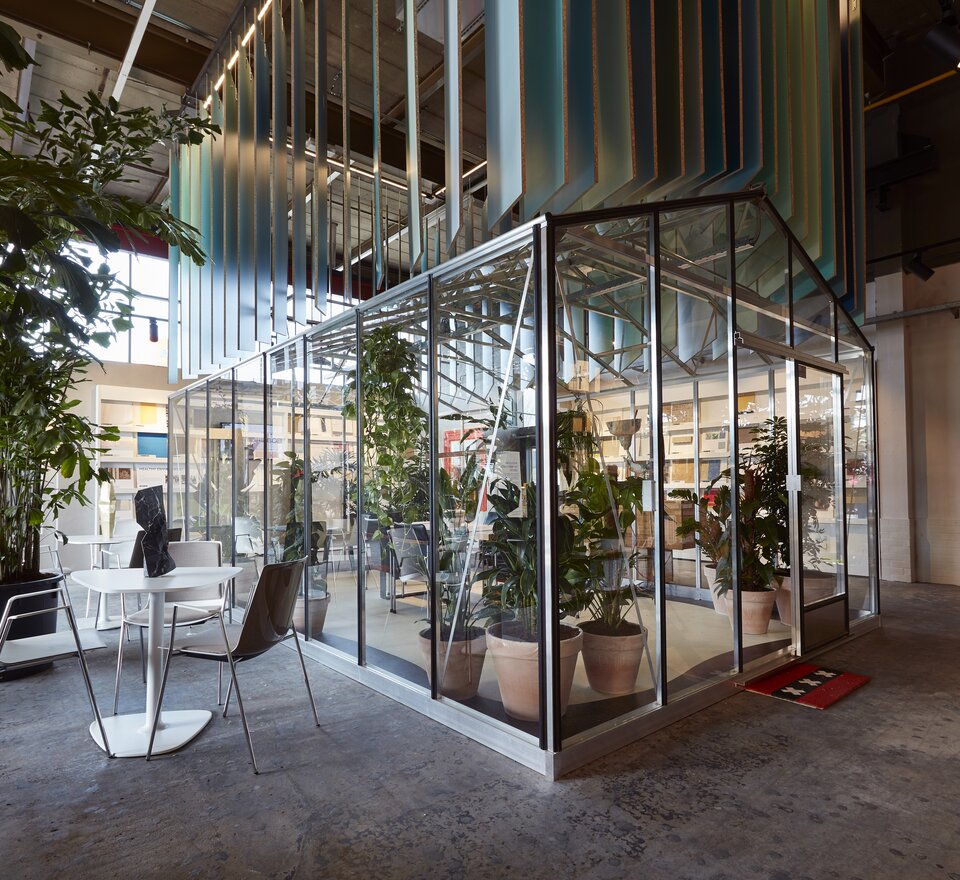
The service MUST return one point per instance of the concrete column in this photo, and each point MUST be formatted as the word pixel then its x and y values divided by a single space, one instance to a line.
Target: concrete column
pixel 894 447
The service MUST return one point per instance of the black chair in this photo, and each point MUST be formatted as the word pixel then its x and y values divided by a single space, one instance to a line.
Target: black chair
pixel 267 622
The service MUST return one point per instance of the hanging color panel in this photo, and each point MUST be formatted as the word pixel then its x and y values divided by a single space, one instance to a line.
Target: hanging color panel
pixel 263 202
pixel 246 202
pixel 280 232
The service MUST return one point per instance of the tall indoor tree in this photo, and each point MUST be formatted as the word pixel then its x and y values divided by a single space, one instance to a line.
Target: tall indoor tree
pixel 57 190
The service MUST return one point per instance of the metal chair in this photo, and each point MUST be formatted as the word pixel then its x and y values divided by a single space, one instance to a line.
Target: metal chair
pixel 16 653
pixel 267 622
pixel 204 603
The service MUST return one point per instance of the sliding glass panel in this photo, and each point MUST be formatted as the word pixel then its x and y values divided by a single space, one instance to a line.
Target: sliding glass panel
pixel 248 421
pixel 605 468
pixel 486 545
pixel 766 598
pixel 858 476
pixel 395 484
pixel 177 462
pixel 287 536
pixel 821 504
pixel 331 370
pixel 220 464
pixel 196 514
pixel 695 420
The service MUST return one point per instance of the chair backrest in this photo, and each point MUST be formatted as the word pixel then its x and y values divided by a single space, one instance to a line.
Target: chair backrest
pixel 410 548
pixel 270 608
pixel 195 554
pixel 136 555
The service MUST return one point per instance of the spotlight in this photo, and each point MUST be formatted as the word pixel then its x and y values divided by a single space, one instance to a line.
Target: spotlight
pixel 917 267
pixel 944 38
pixel 155 330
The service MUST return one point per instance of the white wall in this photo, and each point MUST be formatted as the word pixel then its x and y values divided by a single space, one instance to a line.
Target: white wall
pixel 918 402
pixel 77 519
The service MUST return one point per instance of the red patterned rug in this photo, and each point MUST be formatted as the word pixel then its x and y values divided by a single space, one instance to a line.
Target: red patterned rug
pixel 808 685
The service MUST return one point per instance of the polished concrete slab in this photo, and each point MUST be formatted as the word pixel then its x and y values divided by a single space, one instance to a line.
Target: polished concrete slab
pixel 749 788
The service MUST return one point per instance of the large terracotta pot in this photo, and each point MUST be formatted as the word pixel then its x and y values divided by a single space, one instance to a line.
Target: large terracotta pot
pixel 613 661
pixel 709 573
pixel 756 608
pixel 517 666
pixel 465 665
pixel 318 614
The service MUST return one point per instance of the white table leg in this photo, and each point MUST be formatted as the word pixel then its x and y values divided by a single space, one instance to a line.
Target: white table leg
pixel 129 735
pixel 104 620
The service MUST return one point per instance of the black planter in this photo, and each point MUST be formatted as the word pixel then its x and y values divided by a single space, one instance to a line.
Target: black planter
pixel 40 625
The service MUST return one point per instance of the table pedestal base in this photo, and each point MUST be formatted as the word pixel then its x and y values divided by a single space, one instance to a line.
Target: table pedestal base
pixel 129 735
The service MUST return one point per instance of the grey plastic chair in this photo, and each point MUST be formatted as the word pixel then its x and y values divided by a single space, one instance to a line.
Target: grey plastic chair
pixel 204 603
pixel 17 653
pixel 268 622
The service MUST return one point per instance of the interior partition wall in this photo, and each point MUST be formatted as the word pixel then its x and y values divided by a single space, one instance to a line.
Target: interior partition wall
pixel 564 488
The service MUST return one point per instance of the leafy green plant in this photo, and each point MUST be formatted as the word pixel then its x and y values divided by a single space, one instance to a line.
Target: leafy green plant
pixel 592 561
pixel 509 582
pixel 52 296
pixel 394 431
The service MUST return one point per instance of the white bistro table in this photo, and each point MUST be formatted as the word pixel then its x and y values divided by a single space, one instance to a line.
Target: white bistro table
pixel 129 735
pixel 96 543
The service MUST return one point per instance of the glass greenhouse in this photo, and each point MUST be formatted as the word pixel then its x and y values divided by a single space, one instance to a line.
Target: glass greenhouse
pixel 566 488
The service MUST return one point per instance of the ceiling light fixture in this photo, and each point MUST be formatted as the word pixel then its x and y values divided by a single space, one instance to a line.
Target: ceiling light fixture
pixel 246 37
pixel 263 10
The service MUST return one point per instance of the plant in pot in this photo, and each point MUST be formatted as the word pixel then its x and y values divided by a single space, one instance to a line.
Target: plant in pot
pixel 511 603
pixel 768 458
pixel 594 562
pixel 392 439
pixel 56 301
pixel 289 504
pixel 707 529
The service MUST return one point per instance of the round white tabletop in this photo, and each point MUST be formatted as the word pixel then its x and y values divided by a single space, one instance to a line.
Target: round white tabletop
pixel 96 543
pixel 129 735
pixel 100 539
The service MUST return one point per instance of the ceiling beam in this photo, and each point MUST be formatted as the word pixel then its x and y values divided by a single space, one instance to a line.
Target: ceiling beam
pixel 136 38
pixel 106 30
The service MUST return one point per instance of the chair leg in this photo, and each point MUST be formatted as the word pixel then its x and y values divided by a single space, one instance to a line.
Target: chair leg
pixel 163 684
pixel 306 681
pixel 226 702
pixel 236 687
pixel 116 686
pixel 219 684
pixel 86 679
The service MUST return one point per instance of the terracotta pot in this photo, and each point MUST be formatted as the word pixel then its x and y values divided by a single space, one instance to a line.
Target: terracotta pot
pixel 318 614
pixel 709 573
pixel 756 608
pixel 517 666
pixel 613 661
pixel 465 665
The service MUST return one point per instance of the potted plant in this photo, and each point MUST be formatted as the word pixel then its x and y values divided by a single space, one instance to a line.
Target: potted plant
pixel 707 530
pixel 59 189
pixel 594 562
pixel 511 602
pixel 392 440
pixel 758 540
pixel 289 507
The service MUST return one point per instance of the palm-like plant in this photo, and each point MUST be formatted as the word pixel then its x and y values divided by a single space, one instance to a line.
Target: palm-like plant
pixel 53 297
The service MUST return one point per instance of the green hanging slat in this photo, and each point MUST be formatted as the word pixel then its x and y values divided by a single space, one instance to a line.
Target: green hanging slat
pixel 451 120
pixel 543 108
pixel 412 94
pixel 173 270
pixel 281 233
pixel 298 119
pixel 204 171
pixel 246 198
pixel 376 231
pixel 215 253
pixel 263 201
pixel 320 228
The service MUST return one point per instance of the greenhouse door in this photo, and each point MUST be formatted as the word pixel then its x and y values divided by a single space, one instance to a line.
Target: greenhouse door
pixel 817 506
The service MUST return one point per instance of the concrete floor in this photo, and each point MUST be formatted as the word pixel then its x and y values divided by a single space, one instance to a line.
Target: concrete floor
pixel 750 788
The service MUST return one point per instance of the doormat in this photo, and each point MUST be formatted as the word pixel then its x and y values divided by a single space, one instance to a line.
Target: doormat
pixel 808 685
